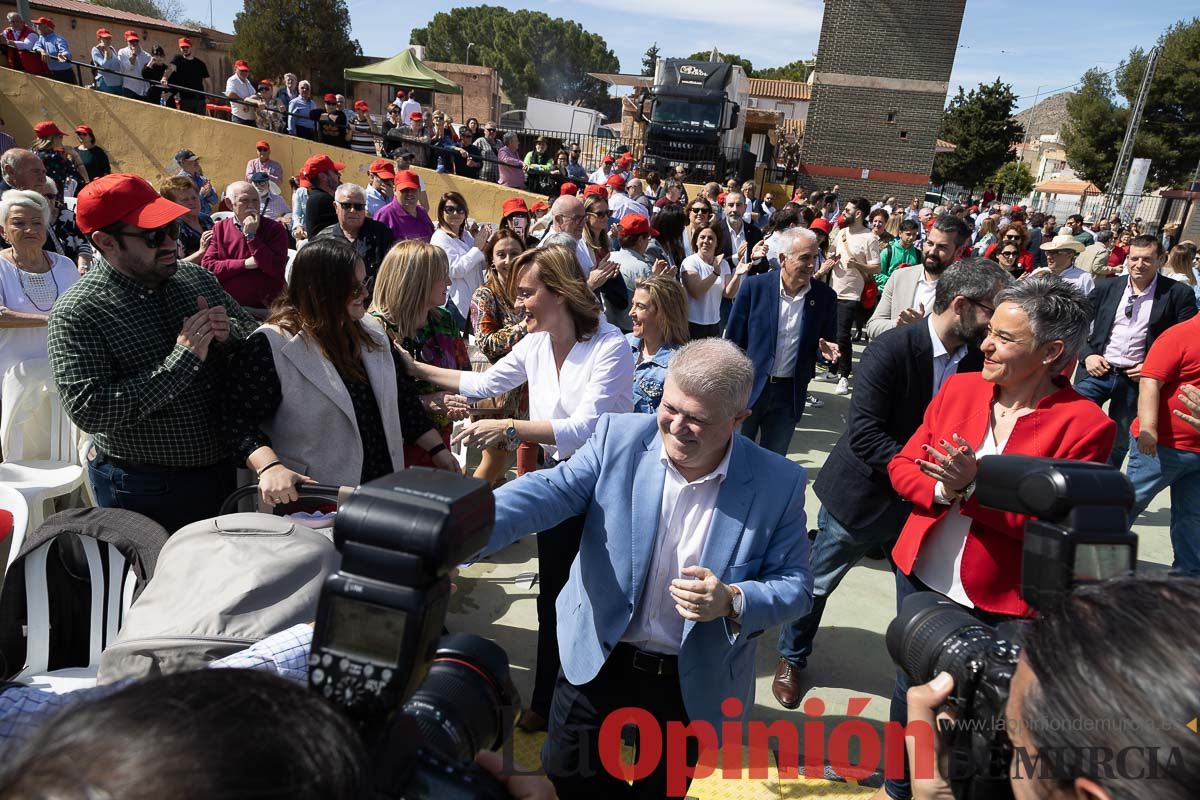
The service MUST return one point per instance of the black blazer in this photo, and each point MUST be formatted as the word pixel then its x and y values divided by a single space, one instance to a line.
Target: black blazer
pixel 1173 303
pixel 753 237
pixel 893 387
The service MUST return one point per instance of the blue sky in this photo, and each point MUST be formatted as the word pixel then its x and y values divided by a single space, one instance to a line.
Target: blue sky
pixel 1028 44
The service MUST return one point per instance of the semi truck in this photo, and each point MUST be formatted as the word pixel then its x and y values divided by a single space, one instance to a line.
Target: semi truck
pixel 547 115
pixel 693 116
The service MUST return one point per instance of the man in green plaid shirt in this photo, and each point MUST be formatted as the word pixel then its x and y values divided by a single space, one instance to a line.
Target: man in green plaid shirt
pixel 139 348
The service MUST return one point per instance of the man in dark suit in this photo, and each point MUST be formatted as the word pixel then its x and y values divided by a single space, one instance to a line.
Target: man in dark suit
pixel 899 374
pixel 783 320
pixel 1131 311
pixel 738 231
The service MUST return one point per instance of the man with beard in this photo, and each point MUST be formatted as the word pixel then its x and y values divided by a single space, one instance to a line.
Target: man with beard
pixel 908 295
pixel 859 510
pixel 139 352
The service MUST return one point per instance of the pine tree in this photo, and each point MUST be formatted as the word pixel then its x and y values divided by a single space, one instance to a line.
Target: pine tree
pixel 982 127
pixel 308 37
pixel 650 60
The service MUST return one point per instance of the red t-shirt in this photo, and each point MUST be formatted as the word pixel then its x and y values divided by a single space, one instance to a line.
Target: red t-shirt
pixel 1174 359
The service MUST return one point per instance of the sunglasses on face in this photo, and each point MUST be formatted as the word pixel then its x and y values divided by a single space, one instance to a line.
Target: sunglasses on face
pixel 455 210
pixel 353 206
pixel 1009 253
pixel 704 211
pixel 153 237
pixel 1012 238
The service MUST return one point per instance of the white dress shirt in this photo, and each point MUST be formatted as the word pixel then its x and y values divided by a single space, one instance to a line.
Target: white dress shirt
pixel 596 378
pixel 241 89
pixel 787 335
pixel 583 254
pixel 622 205
pixel 926 291
pixel 684 519
pixel 945 363
pixel 466 266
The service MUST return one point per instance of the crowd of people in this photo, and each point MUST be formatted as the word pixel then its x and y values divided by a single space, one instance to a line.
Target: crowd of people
pixel 614 342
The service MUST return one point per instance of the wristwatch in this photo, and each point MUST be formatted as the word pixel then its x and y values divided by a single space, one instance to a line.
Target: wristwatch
pixel 511 440
pixel 736 602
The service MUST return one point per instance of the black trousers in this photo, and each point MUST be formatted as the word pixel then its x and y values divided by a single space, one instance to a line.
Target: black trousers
pixel 847 311
pixel 571 756
pixel 192 103
pixel 556 549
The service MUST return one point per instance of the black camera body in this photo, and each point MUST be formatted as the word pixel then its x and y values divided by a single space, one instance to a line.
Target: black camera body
pixel 424 703
pixel 1080 535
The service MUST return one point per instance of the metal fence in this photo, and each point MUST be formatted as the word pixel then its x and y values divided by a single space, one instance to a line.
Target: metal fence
pixel 1149 211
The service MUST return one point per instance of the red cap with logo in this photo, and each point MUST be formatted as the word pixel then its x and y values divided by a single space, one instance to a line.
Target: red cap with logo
pixel 636 225
pixel 407 179
pixel 331 98
pixel 318 164
pixel 45 22
pixel 103 32
pixel 85 130
pixel 568 188
pixel 540 205
pixel 608 159
pixel 123 198
pixel 185 42
pixel 415 115
pixel 625 159
pixel 383 168
pixel 361 105
pixel 616 181
pixel 821 224
pixel 595 189
pixel 132 36
pixel 262 144
pixel 241 64
pixel 514 205
pixel 44 130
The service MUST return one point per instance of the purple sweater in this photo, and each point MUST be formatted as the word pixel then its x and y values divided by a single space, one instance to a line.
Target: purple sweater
pixel 404 225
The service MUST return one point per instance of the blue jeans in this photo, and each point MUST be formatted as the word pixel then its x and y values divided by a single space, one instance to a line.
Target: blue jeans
pixel 771 423
pixel 834 552
pixel 901 789
pixel 1179 469
pixel 172 499
pixel 1121 393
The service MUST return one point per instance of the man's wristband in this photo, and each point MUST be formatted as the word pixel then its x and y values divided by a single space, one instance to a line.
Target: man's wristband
pixel 274 463
pixel 437 448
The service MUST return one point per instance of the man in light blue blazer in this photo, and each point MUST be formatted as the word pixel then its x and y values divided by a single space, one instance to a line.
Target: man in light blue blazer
pixel 694 544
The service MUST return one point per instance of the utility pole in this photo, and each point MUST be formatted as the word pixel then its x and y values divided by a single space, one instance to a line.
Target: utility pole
pixel 1120 173
pixel 23 10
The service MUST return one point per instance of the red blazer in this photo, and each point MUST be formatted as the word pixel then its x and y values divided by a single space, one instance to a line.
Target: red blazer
pixel 1064 425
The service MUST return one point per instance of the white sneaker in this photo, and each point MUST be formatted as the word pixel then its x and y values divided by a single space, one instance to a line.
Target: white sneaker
pixel 814 402
pixel 829 375
pixel 843 387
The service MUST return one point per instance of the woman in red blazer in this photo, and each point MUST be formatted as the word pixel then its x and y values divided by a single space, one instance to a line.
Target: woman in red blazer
pixel 1019 404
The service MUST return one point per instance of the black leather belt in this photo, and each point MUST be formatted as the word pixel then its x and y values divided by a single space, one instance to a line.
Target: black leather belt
pixel 776 379
pixel 657 664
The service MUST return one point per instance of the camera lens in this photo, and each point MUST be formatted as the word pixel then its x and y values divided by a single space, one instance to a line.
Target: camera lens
pixel 933 634
pixel 459 706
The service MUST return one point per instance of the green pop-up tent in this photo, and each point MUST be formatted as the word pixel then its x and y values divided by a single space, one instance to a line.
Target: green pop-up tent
pixel 403 70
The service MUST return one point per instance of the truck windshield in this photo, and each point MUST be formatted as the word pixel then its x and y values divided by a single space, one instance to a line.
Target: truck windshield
pixel 682 112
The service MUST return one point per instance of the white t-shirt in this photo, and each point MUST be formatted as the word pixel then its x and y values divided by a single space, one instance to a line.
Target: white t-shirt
pixel 241 89
pixel 466 266
pixel 706 310
pixel 30 293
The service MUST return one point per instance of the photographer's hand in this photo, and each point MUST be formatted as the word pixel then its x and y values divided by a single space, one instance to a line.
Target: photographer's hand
pixel 1189 396
pixel 520 787
pixel 923 703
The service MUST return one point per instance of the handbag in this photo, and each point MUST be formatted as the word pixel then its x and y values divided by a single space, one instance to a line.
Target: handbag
pixel 870 294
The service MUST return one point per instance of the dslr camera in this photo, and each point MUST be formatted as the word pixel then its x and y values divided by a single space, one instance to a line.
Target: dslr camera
pixel 424 703
pixel 1080 535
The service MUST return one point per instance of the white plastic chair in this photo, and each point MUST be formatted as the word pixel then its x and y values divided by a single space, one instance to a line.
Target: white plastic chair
pixel 287 270
pixel 40 469
pixel 217 216
pixel 112 594
pixel 14 503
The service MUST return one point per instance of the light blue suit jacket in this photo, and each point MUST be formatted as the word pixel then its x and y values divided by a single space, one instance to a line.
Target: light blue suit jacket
pixel 758 540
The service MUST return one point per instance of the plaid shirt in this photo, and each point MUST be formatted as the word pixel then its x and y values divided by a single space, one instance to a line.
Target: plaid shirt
pixel 125 380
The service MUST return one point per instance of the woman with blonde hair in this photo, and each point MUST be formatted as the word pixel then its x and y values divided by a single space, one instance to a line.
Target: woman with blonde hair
pixel 595 226
pixel 408 297
pixel 660 327
pixel 578 366
pixel 63 164
pixel 1179 266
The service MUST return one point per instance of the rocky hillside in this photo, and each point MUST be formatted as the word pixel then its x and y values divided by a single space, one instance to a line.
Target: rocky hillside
pixel 1048 116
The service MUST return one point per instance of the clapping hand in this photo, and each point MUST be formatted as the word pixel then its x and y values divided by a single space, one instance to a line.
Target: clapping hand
pixel 911 315
pixel 1190 397
pixel 830 351
pixel 601 273
pixel 955 465
pixel 700 596
pixel 661 266
pixel 760 250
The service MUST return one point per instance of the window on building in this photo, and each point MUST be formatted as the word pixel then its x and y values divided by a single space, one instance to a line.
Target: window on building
pixel 903 134
pixel 891 117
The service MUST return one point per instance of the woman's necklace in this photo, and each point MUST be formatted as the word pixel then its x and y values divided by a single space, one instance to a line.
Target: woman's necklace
pixel 36 285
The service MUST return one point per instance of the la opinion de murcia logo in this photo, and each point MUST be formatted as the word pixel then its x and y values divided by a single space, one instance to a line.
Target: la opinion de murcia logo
pixel 688 69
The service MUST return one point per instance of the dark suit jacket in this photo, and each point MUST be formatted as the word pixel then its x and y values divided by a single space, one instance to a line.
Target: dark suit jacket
pixel 894 385
pixel 754 324
pixel 753 237
pixel 1173 303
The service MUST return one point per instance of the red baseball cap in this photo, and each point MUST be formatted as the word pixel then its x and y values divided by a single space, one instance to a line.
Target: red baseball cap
pixel 49 23
pixel 616 181
pixel 568 188
pixel 121 197
pixel 608 159
pixel 242 63
pixel 407 179
pixel 514 205
pixel 318 164
pixel 595 189
pixel 132 36
pixel 262 144
pixel 415 115
pixel 101 32
pixel 540 205
pixel 821 224
pixel 361 105
pixel 384 169
pixel 44 130
pixel 636 225
pixel 330 97
pixel 626 158
pixel 85 129
pixel 185 42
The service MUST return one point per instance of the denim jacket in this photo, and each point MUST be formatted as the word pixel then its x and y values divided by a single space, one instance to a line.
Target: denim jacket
pixel 648 376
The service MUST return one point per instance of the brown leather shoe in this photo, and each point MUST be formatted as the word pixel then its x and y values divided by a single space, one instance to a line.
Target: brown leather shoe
pixel 531 722
pixel 786 686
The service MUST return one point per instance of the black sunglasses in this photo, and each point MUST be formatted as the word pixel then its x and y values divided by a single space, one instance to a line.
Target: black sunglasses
pixel 700 211
pixel 1009 253
pixel 454 210
pixel 154 237
pixel 1129 307
pixel 353 206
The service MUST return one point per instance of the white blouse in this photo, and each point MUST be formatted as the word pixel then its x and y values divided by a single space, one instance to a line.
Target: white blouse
pixel 31 293
pixel 596 378
pixel 466 266
pixel 706 310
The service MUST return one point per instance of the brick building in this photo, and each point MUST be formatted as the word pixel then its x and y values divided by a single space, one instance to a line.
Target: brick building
pixel 77 21
pixel 481 98
pixel 878 94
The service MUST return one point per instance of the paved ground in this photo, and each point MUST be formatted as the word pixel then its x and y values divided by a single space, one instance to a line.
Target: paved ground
pixel 850 661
